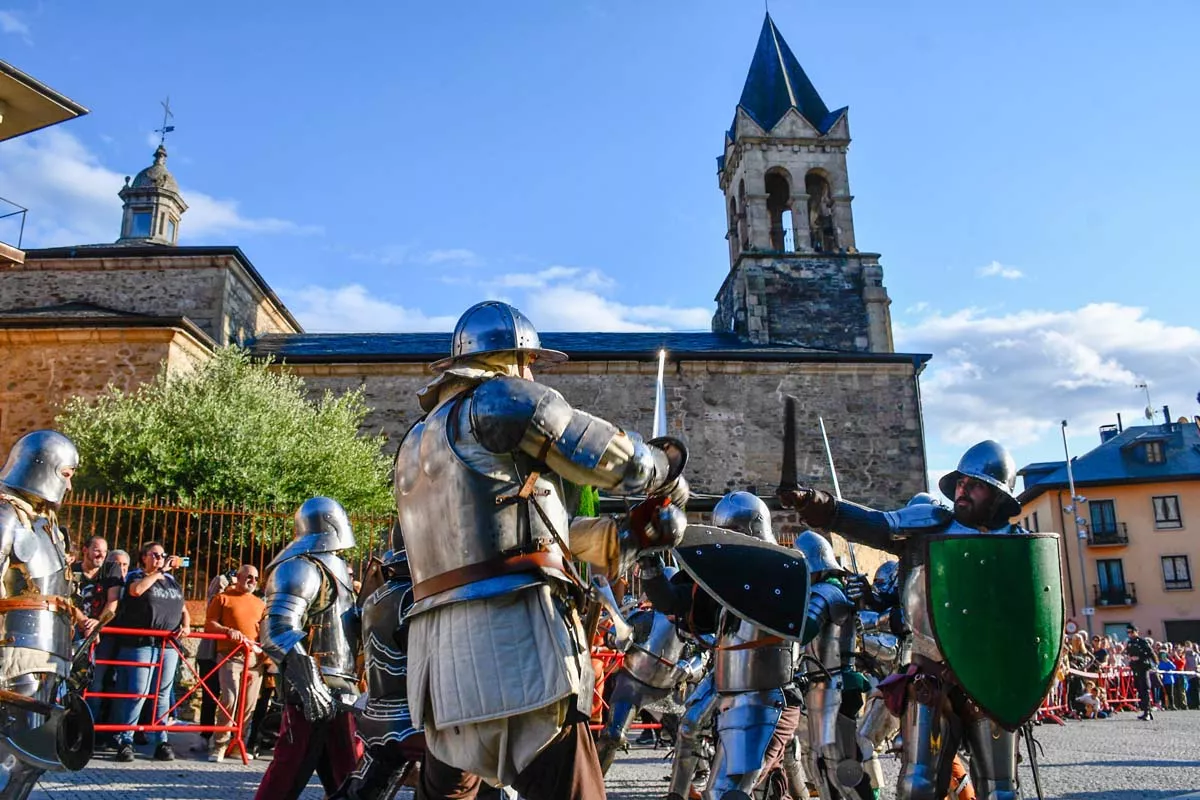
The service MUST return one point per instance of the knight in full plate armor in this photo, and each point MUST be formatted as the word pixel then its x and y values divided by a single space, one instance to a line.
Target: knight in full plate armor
pixel 499 664
pixel 46 727
pixel 832 694
pixel 938 713
pixel 311 632
pixel 392 745
pixel 658 661
pixel 758 708
pixel 881 657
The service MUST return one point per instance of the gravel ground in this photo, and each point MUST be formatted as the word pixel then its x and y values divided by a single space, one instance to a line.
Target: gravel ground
pixel 1114 759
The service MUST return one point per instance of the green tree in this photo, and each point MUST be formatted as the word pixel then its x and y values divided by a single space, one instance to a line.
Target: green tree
pixel 234 431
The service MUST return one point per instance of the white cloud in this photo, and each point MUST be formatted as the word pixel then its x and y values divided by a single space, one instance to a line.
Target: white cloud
pixel 354 308
pixel 72 196
pixel 564 308
pixel 1014 377
pixel 998 270
pixel 578 277
pixel 11 23
pixel 456 255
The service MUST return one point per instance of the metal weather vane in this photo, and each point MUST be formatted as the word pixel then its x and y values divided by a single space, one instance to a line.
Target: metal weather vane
pixel 166 126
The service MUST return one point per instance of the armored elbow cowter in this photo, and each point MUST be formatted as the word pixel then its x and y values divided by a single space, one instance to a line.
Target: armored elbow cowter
pixel 510 414
pixel 292 588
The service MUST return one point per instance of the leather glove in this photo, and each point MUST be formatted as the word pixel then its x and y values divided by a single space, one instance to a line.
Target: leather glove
pixel 316 700
pixel 814 506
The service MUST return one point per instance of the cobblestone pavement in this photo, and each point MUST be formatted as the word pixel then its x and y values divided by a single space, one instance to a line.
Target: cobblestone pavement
pixel 1115 759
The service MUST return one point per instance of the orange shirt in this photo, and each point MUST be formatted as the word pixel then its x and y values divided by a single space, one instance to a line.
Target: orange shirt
pixel 235 609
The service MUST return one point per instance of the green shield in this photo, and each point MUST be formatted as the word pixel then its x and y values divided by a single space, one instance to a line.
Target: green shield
pixel 996 605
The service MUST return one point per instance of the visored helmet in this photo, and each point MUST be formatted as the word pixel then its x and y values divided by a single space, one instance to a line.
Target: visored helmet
pixel 885 577
pixel 494 327
pixel 990 463
pixel 922 499
pixel 818 552
pixel 323 527
pixel 745 513
pixel 36 463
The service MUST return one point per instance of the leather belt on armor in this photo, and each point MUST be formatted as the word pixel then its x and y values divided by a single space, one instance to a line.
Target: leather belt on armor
pixel 41 602
pixel 507 565
pixel 766 641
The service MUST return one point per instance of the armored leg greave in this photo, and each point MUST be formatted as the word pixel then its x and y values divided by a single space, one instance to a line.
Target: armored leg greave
pixel 930 742
pixel 625 703
pixel 877 726
pixel 835 745
pixel 793 772
pixel 701 705
pixel 994 757
pixel 20 766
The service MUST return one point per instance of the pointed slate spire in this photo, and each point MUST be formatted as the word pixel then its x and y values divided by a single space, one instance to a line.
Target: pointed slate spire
pixel 776 82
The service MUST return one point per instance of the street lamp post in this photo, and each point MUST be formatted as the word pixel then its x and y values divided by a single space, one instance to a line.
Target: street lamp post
pixel 1080 528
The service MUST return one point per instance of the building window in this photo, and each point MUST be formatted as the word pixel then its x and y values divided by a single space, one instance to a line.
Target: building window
pixel 1166 512
pixel 170 230
pixel 139 224
pixel 1110 591
pixel 1154 453
pixel 1176 574
pixel 1036 527
pixel 1104 517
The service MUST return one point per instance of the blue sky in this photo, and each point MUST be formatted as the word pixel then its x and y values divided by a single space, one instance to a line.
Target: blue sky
pixel 1027 171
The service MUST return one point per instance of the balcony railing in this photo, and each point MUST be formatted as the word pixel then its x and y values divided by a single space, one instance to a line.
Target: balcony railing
pixel 1116 536
pixel 1119 595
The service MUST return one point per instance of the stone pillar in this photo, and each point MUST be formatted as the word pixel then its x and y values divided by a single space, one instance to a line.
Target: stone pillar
pixel 879 317
pixel 758 222
pixel 843 220
pixel 802 231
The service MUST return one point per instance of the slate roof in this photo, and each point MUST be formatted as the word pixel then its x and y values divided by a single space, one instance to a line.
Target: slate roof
pixel 1121 460
pixel 776 82
pixel 579 345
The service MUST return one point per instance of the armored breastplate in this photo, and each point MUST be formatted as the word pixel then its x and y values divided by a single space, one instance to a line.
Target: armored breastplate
pixel 654 664
pixel 449 492
pixel 383 640
pixel 834 645
pixel 332 620
pixel 35 567
pixel 743 667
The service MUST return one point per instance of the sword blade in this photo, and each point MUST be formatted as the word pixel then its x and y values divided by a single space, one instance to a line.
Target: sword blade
pixel 787 475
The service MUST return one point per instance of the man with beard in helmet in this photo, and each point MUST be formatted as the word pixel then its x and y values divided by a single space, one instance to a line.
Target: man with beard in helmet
pixel 832 692
pixel 311 632
pixel 937 712
pixel 659 660
pixel 499 666
pixel 36 618
pixel 758 708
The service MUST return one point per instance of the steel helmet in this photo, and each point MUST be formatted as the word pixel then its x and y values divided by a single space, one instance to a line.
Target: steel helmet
pixel 818 552
pixel 885 576
pixel 494 327
pixel 36 462
pixel 990 463
pixel 322 524
pixel 745 513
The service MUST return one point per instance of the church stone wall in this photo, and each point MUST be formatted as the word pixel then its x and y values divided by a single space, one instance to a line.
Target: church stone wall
pixel 171 286
pixel 809 301
pixel 246 311
pixel 43 368
pixel 729 412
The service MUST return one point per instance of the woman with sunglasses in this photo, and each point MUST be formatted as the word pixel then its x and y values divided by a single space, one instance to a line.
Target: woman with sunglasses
pixel 153 600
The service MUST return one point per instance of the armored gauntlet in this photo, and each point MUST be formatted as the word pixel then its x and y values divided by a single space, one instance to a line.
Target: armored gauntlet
pixel 315 698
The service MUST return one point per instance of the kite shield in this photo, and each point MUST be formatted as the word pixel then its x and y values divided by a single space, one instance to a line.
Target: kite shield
pixel 996 605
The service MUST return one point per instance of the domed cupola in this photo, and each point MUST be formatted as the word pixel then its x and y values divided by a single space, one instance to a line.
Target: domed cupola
pixel 153 205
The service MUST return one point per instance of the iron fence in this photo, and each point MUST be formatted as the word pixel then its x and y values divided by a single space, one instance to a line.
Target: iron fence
pixel 216 537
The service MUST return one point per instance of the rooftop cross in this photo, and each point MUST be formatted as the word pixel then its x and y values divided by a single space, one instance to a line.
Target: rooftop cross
pixel 167 117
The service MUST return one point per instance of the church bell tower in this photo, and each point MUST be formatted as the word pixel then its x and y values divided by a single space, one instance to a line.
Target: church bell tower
pixel 796 275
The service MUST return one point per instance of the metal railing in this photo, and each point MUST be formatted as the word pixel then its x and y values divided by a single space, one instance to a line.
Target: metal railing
pixel 1118 595
pixel 1117 536
pixel 216 537
pixel 12 219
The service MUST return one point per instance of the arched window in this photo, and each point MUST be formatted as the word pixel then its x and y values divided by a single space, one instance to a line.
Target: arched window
pixel 821 223
pixel 743 235
pixel 778 186
pixel 735 245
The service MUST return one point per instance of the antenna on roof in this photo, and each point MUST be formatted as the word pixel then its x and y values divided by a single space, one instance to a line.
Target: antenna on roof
pixel 167 117
pixel 1149 412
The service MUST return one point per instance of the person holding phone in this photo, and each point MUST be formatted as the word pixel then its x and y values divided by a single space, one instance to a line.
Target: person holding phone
pixel 153 600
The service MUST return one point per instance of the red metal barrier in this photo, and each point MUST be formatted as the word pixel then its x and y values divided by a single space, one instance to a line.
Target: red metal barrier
pixel 245 649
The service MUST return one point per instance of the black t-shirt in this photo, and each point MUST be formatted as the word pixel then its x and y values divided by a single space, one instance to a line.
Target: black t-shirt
pixel 92 593
pixel 160 608
pixel 1137 646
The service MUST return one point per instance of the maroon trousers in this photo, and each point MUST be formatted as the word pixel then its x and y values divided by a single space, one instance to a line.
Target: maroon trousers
pixel 568 769
pixel 327 748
